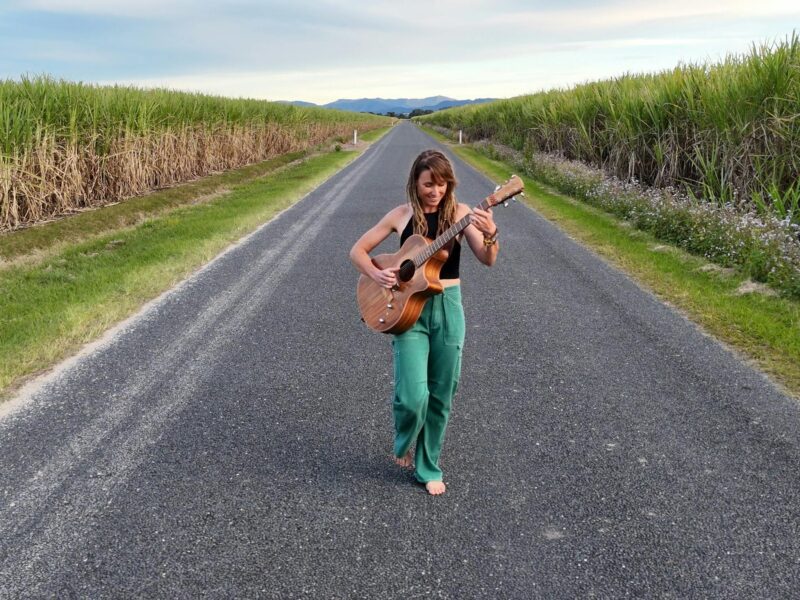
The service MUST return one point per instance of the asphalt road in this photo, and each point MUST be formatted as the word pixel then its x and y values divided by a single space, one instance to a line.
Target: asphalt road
pixel 233 440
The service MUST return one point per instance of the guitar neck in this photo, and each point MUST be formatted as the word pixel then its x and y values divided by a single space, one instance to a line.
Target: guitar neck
pixel 450 233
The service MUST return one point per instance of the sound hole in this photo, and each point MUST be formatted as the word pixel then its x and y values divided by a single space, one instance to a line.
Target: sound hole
pixel 406 271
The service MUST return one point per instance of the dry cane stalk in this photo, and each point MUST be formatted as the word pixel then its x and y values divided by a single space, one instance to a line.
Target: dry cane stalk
pixel 59 177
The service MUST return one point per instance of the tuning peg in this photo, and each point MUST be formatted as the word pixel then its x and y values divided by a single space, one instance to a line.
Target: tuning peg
pixel 497 187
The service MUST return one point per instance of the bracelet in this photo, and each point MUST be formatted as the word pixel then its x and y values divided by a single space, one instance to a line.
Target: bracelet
pixel 492 239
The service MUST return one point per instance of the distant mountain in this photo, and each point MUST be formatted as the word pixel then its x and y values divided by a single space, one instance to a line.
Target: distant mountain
pixel 297 102
pixel 394 105
pixel 383 106
pixel 451 103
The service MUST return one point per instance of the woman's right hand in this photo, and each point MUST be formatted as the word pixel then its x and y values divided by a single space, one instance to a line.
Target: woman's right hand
pixel 386 277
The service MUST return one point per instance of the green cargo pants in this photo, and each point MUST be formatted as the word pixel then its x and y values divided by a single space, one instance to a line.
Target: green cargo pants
pixel 427 365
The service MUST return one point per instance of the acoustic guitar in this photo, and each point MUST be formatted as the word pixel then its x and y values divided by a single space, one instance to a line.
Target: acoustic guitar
pixel 419 260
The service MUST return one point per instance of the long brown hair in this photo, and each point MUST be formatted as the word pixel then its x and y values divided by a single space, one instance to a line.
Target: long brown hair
pixel 441 171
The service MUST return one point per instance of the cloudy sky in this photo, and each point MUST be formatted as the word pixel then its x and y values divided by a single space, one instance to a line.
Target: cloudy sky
pixel 329 49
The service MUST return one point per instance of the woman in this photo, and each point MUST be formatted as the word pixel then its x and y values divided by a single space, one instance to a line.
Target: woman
pixel 427 357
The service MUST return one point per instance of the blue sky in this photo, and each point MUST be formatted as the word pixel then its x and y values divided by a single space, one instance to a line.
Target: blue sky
pixel 325 50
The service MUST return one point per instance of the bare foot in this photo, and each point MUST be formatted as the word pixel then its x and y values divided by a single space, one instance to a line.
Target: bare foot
pixel 435 487
pixel 406 461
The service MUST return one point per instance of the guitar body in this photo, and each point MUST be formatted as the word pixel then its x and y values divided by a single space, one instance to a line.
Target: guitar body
pixel 396 310
pixel 419 261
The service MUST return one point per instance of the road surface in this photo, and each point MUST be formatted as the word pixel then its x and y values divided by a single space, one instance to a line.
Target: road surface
pixel 233 440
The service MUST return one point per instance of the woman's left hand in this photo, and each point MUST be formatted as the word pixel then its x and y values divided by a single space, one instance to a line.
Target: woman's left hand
pixel 483 221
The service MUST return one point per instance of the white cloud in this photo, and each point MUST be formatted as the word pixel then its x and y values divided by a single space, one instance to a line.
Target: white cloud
pixel 632 13
pixel 146 9
pixel 442 15
pixel 540 66
pixel 629 43
pixel 326 49
pixel 322 86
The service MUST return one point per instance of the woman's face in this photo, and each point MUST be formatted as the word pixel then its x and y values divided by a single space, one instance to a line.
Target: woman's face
pixel 429 191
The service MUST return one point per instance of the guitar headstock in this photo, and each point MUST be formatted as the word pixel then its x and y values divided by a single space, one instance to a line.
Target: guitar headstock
pixel 504 192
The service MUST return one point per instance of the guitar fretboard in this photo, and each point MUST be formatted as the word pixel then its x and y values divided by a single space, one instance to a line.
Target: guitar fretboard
pixel 448 235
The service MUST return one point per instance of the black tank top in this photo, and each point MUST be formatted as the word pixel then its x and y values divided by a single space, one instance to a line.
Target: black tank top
pixel 450 267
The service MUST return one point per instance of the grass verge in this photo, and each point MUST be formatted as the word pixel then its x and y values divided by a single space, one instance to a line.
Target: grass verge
pixel 761 327
pixel 65 283
pixel 373 134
